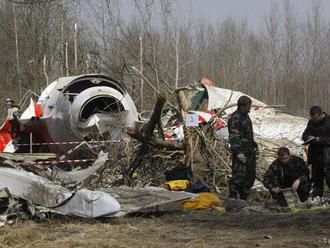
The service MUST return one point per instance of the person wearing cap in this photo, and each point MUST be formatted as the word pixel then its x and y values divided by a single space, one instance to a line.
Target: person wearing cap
pixel 317 137
pixel 13 109
pixel 243 149
pixel 13 116
pixel 287 172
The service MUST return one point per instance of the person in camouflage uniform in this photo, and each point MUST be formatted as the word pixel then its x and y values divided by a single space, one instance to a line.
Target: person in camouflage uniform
pixel 287 171
pixel 243 148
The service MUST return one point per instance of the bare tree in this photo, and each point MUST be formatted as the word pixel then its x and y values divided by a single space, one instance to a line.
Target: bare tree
pixel 272 46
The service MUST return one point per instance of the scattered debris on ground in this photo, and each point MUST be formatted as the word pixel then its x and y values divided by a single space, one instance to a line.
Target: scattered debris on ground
pixel 174 161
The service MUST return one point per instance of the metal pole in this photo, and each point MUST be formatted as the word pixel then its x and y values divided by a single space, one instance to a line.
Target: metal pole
pixel 31 143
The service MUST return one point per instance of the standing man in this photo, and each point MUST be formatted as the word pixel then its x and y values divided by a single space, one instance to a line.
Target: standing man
pixel 317 136
pixel 287 171
pixel 12 117
pixel 243 148
pixel 13 109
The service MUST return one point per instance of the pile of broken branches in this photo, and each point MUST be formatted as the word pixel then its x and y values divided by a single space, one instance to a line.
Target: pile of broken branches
pixel 145 159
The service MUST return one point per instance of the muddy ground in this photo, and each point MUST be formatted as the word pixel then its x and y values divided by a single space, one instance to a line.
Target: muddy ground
pixel 207 228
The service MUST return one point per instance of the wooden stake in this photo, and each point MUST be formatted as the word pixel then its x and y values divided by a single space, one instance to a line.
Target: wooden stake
pixel 141 70
pixel 31 150
pixel 75 47
pixel 66 59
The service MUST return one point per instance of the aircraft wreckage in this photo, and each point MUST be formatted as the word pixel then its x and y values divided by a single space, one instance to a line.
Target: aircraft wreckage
pixel 77 111
pixel 71 109
pixel 70 112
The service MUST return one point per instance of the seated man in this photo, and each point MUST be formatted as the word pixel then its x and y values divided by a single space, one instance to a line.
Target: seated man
pixel 287 171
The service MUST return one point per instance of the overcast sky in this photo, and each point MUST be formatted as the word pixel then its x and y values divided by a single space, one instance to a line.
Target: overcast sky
pixel 253 10
pixel 214 11
pixel 217 10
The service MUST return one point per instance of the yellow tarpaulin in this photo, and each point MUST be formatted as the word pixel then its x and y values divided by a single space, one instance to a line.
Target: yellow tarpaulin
pixel 176 185
pixel 202 201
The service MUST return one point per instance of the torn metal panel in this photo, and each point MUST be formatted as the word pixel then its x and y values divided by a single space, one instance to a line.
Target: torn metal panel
pixel 136 199
pixel 33 188
pixel 220 97
pixel 43 192
pixel 266 122
pixel 89 204
pixel 110 124
pixel 29 111
pixel 76 177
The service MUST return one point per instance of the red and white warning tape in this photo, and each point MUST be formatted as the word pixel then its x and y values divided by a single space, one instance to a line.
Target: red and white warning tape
pixel 76 142
pixel 60 161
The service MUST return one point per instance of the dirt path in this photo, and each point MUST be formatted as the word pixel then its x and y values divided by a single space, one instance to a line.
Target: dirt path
pixel 182 229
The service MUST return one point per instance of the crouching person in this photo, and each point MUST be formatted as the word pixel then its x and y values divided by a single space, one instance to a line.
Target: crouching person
pixel 287 171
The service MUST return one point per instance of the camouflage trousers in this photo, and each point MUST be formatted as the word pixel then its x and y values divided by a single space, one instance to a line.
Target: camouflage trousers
pixel 243 176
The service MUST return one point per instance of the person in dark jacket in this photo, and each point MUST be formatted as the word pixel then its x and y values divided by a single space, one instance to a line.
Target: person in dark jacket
pixel 287 171
pixel 317 136
pixel 243 148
